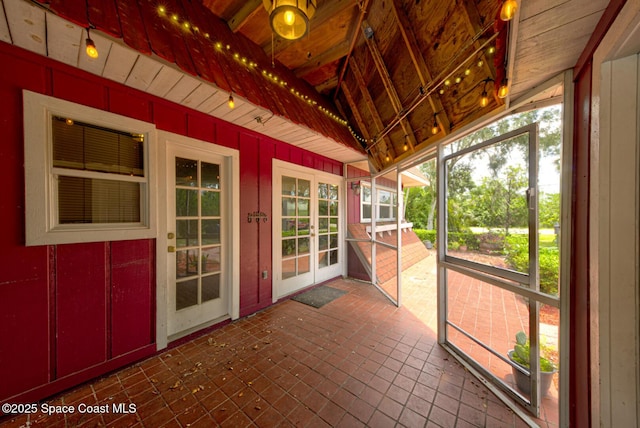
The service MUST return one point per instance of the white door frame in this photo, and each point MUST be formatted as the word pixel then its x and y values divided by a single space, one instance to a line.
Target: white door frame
pixel 280 168
pixel 232 267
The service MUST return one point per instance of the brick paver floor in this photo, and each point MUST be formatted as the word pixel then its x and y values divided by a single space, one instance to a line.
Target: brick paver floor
pixel 357 361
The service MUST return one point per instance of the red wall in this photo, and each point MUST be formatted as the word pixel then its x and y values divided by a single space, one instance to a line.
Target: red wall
pixel 72 312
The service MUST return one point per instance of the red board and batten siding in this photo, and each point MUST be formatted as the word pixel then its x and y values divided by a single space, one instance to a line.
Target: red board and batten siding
pixel 72 312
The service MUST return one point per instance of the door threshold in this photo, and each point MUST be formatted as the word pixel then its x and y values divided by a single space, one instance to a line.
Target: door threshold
pixel 193 331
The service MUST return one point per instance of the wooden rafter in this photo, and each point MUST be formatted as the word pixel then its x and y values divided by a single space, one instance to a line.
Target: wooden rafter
pixel 246 12
pixel 362 86
pixel 356 113
pixel 389 86
pixel 420 64
pixel 474 26
pixel 364 7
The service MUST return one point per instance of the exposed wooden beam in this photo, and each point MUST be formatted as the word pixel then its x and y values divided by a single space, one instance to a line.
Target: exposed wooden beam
pixel 474 26
pixel 364 7
pixel 327 85
pixel 389 86
pixel 371 106
pixel 420 64
pixel 333 54
pixel 357 116
pixel 248 9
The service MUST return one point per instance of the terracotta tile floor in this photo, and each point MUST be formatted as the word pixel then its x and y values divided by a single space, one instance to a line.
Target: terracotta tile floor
pixel 357 361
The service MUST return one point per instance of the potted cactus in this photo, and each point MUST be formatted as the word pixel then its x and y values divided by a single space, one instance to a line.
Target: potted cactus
pixel 520 356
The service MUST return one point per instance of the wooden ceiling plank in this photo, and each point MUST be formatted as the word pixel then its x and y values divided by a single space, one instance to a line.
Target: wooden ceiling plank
pixel 246 12
pixel 390 88
pixel 64 40
pixel 422 69
pixel 354 110
pixel 5 36
pixel 362 86
pixel 325 12
pixel 474 25
pixel 27 26
pixel 337 52
pixel 364 7
pixel 373 111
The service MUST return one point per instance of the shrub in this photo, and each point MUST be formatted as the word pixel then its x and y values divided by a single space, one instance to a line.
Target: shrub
pixel 517 252
pixel 465 238
pixel 426 235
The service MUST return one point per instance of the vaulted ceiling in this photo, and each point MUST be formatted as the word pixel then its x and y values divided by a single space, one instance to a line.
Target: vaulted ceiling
pixel 371 78
pixel 393 68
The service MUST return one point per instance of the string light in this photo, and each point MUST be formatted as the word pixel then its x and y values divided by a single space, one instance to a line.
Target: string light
pixel 508 10
pixel 231 103
pixel 503 91
pixel 435 128
pixel 91 50
pixel 251 65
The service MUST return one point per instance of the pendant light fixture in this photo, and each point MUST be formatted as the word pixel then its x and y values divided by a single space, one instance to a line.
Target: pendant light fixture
pixel 503 91
pixel 435 128
pixel 92 52
pixel 508 10
pixel 290 18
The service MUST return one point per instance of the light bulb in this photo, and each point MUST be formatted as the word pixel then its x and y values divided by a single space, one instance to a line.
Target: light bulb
pixel 484 100
pixel 92 52
pixel 503 91
pixel 435 129
pixel 508 10
pixel 405 147
pixel 231 103
pixel 289 17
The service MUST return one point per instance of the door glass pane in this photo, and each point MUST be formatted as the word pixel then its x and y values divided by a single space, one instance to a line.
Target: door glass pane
pixel 184 263
pixel 210 287
pixel 186 203
pixel 303 226
pixel 304 264
pixel 186 294
pixel 210 176
pixel 288 268
pixel 187 233
pixel 288 186
pixel 186 172
pixel 288 227
pixel 303 207
pixel 210 259
pixel 288 247
pixel 210 232
pixel 303 245
pixel 288 206
pixel 210 203
pixel 304 188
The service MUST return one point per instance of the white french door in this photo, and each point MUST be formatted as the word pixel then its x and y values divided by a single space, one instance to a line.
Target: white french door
pixel 307 228
pixel 198 282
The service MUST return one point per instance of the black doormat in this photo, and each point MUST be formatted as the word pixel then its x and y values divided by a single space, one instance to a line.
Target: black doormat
pixel 319 296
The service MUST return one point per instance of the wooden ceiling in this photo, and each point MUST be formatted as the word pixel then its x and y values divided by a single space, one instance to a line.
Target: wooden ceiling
pixel 420 62
pixel 334 92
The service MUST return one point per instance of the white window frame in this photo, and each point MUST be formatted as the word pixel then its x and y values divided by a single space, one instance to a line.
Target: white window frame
pixel 377 204
pixel 41 211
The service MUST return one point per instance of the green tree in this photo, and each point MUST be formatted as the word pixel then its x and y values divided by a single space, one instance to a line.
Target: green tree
pixel 549 209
